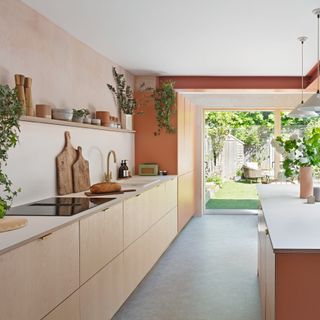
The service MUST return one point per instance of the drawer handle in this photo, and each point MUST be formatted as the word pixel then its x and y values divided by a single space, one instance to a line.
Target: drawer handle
pixel 267 231
pixel 106 209
pixel 46 236
pixel 138 195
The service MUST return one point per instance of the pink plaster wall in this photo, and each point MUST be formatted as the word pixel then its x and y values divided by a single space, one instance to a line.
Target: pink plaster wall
pixel 65 71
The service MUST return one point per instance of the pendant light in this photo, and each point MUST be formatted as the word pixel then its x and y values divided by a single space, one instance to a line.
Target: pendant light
pixel 297 112
pixel 313 103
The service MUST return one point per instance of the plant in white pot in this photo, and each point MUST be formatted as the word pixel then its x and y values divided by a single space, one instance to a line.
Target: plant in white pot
pixel 80 114
pixel 124 98
pixel 10 112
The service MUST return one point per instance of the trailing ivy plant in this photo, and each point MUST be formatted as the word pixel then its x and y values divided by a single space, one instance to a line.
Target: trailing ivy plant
pixel 122 93
pixel 10 112
pixel 164 104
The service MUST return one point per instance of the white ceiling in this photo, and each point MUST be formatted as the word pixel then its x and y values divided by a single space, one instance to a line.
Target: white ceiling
pixel 184 37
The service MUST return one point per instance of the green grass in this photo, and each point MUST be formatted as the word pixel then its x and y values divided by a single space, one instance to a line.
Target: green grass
pixel 235 195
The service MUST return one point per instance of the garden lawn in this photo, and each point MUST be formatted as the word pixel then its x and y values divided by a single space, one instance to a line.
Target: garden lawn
pixel 235 195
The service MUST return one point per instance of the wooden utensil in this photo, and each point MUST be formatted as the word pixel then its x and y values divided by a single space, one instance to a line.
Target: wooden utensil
pixel 19 80
pixel 28 96
pixel 90 194
pixel 64 161
pixel 80 171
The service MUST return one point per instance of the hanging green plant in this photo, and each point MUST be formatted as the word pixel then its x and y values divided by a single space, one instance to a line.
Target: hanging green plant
pixel 164 104
pixel 122 93
pixel 10 112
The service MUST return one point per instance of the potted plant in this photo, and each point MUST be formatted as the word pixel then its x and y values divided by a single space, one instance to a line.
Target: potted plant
pixel 300 154
pixel 10 112
pixel 164 104
pixel 79 114
pixel 124 98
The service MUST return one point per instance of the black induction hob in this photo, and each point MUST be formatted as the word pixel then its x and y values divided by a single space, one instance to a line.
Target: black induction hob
pixel 57 206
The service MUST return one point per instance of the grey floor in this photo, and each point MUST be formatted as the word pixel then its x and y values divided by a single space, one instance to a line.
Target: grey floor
pixel 208 273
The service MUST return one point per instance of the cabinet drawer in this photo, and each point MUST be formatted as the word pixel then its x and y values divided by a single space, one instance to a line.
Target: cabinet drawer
pixel 102 295
pixel 101 239
pixel 67 310
pixel 136 217
pixel 36 277
pixel 157 203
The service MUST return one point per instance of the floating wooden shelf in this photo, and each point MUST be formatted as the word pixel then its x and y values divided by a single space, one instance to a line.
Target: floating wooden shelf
pixel 72 124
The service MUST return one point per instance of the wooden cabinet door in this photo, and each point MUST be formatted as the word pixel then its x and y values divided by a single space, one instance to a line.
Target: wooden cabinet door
pixel 270 280
pixel 137 218
pixel 67 310
pixel 262 262
pixel 171 194
pixel 36 277
pixel 157 203
pixel 101 239
pixel 102 295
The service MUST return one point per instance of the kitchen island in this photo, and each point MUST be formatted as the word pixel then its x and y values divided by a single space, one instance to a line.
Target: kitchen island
pixel 86 265
pixel 289 254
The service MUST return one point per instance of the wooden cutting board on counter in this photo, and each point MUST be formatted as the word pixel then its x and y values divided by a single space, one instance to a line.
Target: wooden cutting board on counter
pixel 64 161
pixel 80 173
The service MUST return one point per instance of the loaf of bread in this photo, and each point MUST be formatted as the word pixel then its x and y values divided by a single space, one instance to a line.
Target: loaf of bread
pixel 105 187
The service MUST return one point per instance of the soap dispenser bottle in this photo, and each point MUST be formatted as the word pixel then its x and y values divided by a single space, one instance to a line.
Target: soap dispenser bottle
pixel 121 170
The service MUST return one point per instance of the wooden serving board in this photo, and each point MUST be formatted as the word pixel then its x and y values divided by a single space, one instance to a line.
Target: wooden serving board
pixel 89 194
pixel 64 162
pixel 80 173
pixel 12 223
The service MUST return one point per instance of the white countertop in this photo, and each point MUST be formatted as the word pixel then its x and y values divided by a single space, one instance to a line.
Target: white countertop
pixel 39 226
pixel 292 223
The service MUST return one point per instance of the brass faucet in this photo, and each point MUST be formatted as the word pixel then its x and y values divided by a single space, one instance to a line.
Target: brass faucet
pixel 108 174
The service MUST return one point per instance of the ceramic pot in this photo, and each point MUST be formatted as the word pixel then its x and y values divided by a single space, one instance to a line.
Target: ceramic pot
pixel 126 121
pixel 306 183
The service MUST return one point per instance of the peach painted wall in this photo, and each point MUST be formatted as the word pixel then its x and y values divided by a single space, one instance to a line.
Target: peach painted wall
pixel 65 73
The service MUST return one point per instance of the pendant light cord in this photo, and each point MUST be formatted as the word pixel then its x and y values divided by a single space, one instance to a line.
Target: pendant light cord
pixel 318 16
pixel 302 74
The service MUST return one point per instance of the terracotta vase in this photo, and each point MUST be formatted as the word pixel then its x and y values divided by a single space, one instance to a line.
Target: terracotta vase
pixel 306 183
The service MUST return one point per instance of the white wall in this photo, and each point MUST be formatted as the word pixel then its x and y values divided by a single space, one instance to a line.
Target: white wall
pixel 31 164
pixel 66 73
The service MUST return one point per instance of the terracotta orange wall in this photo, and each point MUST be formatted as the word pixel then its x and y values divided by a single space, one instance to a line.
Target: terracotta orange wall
pixel 236 82
pixel 160 149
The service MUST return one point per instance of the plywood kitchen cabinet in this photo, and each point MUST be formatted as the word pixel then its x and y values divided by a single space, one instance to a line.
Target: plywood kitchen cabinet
pixel 67 310
pixel 173 152
pixel 37 276
pixel 137 218
pixel 171 194
pixel 101 239
pixel 102 295
pixel 142 254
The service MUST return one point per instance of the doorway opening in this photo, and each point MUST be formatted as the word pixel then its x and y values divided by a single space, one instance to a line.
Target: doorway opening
pixel 237 156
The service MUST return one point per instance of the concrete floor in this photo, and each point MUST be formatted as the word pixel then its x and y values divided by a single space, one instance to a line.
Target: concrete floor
pixel 208 273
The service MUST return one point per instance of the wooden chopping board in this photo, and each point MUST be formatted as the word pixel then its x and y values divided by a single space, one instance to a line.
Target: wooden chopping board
pixel 80 171
pixel 64 162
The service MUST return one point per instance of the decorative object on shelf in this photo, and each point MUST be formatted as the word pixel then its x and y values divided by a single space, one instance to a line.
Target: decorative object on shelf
pixel 10 112
pixel 300 154
pixel 43 111
pixel 124 98
pixel 313 103
pixel 164 104
pixel 80 173
pixel 62 114
pixel 87 120
pixel 296 112
pixel 96 122
pixel 28 96
pixel 104 116
pixel 79 114
pixel 19 80
pixel 64 161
